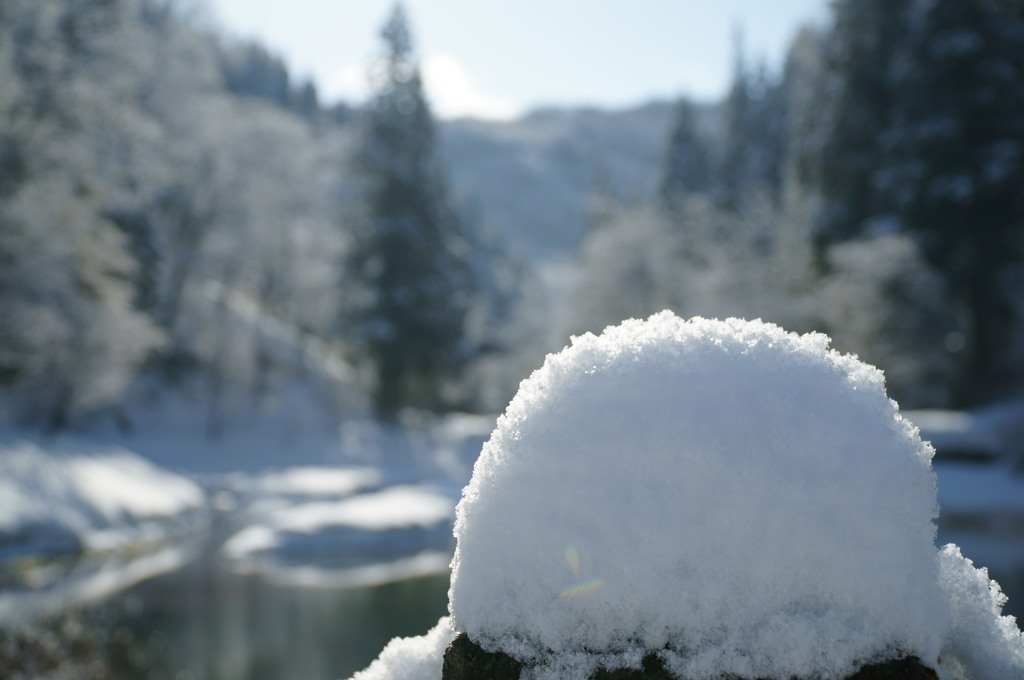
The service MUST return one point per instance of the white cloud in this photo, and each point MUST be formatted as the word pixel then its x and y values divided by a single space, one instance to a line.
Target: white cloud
pixel 348 83
pixel 449 88
pixel 453 93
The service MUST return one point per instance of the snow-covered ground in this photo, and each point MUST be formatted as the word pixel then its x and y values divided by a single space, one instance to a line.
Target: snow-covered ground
pixel 91 498
pixel 82 520
pixel 367 538
pixel 279 494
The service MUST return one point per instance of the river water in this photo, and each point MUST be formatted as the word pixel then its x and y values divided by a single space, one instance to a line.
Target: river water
pixel 204 622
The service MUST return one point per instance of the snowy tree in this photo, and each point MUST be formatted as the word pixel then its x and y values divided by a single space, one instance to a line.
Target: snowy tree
pixel 409 254
pixel 71 340
pixel 700 259
pixel 882 300
pixel 251 70
pixel 130 193
pixel 629 268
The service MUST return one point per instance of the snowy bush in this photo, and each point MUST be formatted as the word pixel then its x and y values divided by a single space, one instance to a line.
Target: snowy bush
pixel 738 499
pixel 882 300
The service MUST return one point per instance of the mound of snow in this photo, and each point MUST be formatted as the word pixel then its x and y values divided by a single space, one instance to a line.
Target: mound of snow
pixel 64 501
pixel 414 658
pixel 981 643
pixel 742 500
pixel 741 496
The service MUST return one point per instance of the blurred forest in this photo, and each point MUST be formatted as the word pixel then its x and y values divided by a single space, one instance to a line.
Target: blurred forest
pixel 177 213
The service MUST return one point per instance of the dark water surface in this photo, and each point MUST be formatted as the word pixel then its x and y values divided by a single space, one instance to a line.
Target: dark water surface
pixel 204 623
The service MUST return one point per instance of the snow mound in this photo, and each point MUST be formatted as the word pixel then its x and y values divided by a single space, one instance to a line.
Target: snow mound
pixel 99 499
pixel 744 501
pixel 415 658
pixel 744 498
pixel 981 643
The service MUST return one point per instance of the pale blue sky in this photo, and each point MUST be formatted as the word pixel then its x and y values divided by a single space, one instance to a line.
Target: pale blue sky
pixel 496 58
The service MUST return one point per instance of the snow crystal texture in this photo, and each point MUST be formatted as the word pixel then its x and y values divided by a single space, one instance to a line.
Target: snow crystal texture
pixel 412 658
pixel 744 499
pixel 981 643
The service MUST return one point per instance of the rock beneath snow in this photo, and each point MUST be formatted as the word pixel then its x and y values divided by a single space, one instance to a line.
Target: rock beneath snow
pixel 466 660
pixel 908 668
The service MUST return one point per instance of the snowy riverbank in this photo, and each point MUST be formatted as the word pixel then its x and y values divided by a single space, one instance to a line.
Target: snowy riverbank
pixel 82 517
pixel 89 498
pixel 358 505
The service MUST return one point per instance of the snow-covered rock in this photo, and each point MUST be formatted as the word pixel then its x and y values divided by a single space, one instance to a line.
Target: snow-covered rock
pixel 738 499
pixel 67 499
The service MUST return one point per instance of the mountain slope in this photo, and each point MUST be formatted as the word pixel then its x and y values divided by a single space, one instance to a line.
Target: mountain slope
pixel 531 178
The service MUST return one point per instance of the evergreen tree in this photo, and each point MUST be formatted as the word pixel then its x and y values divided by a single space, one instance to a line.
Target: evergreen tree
pixel 856 97
pixel 753 139
pixel 687 166
pixel 802 83
pixel 955 170
pixel 409 254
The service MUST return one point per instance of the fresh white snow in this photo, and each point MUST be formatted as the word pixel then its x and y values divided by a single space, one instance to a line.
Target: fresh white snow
pixel 981 643
pixel 743 499
pixel 302 481
pixel 414 658
pixel 398 532
pixel 65 499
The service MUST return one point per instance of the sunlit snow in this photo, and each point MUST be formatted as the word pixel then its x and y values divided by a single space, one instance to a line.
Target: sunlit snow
pixel 54 500
pixel 374 537
pixel 739 499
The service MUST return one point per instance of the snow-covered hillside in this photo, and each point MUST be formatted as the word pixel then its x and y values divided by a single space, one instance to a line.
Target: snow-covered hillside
pixel 531 178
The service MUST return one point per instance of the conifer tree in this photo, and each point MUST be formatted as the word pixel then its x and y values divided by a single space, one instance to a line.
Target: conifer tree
pixel 687 166
pixel 954 170
pixel 753 140
pixel 856 97
pixel 409 255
